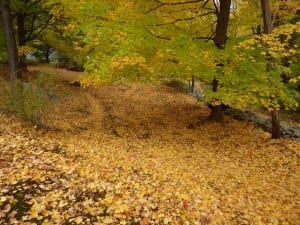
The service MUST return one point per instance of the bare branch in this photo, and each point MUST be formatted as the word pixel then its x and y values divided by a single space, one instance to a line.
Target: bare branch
pixel 185 19
pixel 202 38
pixel 185 9
pixel 216 8
pixel 157 35
pixel 42 28
pixel 153 9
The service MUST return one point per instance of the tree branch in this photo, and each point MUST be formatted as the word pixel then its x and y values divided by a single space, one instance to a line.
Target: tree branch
pixel 216 8
pixel 179 3
pixel 209 37
pixel 157 35
pixel 185 19
pixel 161 4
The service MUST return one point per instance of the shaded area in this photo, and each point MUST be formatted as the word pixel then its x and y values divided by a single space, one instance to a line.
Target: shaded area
pixel 288 130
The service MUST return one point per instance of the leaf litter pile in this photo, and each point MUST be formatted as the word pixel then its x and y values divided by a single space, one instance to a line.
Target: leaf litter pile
pixel 139 154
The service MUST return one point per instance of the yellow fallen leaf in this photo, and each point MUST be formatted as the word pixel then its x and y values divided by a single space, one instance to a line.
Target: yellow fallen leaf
pixel 46 222
pixel 78 220
pixel 34 212
pixel 184 197
pixel 108 220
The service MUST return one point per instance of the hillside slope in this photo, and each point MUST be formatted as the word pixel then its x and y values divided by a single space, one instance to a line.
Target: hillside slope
pixel 132 153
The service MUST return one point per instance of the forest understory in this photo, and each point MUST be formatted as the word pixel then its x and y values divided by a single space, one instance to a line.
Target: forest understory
pixel 133 153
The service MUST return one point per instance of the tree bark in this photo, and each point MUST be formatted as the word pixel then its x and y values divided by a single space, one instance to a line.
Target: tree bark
pixel 268 27
pixel 216 113
pixel 220 39
pixel 267 17
pixel 21 39
pixel 10 40
pixel 275 124
pixel 223 15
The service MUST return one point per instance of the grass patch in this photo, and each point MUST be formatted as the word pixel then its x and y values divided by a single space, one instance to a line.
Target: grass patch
pixel 177 84
pixel 28 99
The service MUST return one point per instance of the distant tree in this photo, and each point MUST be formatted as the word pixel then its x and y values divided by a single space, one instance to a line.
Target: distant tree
pixel 33 18
pixel 3 52
pixel 268 27
pixel 265 63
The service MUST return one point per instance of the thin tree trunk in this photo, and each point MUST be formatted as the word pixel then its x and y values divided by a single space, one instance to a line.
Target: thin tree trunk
pixel 193 84
pixel 21 39
pixel 267 17
pixel 47 56
pixel 275 124
pixel 268 27
pixel 220 39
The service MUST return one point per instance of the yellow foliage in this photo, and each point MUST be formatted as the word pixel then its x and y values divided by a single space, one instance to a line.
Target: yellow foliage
pixel 24 50
pixel 119 62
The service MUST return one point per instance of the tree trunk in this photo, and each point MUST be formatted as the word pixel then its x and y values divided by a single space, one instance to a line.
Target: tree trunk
pixel 220 39
pixel 192 89
pixel 47 56
pixel 10 40
pixel 11 45
pixel 267 17
pixel 21 39
pixel 275 124
pixel 216 113
pixel 222 24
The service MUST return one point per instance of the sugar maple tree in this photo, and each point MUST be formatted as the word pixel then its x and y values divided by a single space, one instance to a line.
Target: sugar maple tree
pixel 271 54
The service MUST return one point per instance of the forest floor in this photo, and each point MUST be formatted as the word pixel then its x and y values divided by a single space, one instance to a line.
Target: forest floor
pixel 132 153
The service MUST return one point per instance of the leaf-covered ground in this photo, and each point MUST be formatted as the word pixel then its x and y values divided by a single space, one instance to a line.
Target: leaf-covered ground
pixel 142 154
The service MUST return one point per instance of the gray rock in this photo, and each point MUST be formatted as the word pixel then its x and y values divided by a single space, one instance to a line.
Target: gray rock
pixel 287 130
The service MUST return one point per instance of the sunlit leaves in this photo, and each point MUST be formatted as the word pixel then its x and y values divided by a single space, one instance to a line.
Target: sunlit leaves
pixel 279 47
pixel 284 10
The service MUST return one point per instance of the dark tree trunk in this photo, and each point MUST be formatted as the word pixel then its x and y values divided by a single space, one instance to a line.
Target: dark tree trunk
pixel 192 88
pixel 267 17
pixel 215 84
pixel 275 124
pixel 10 40
pixel 220 39
pixel 47 56
pixel 21 38
pixel 11 45
pixel 222 24
pixel 216 113
pixel 256 30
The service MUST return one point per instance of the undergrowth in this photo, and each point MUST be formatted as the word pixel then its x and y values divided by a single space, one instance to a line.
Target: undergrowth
pixel 31 99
